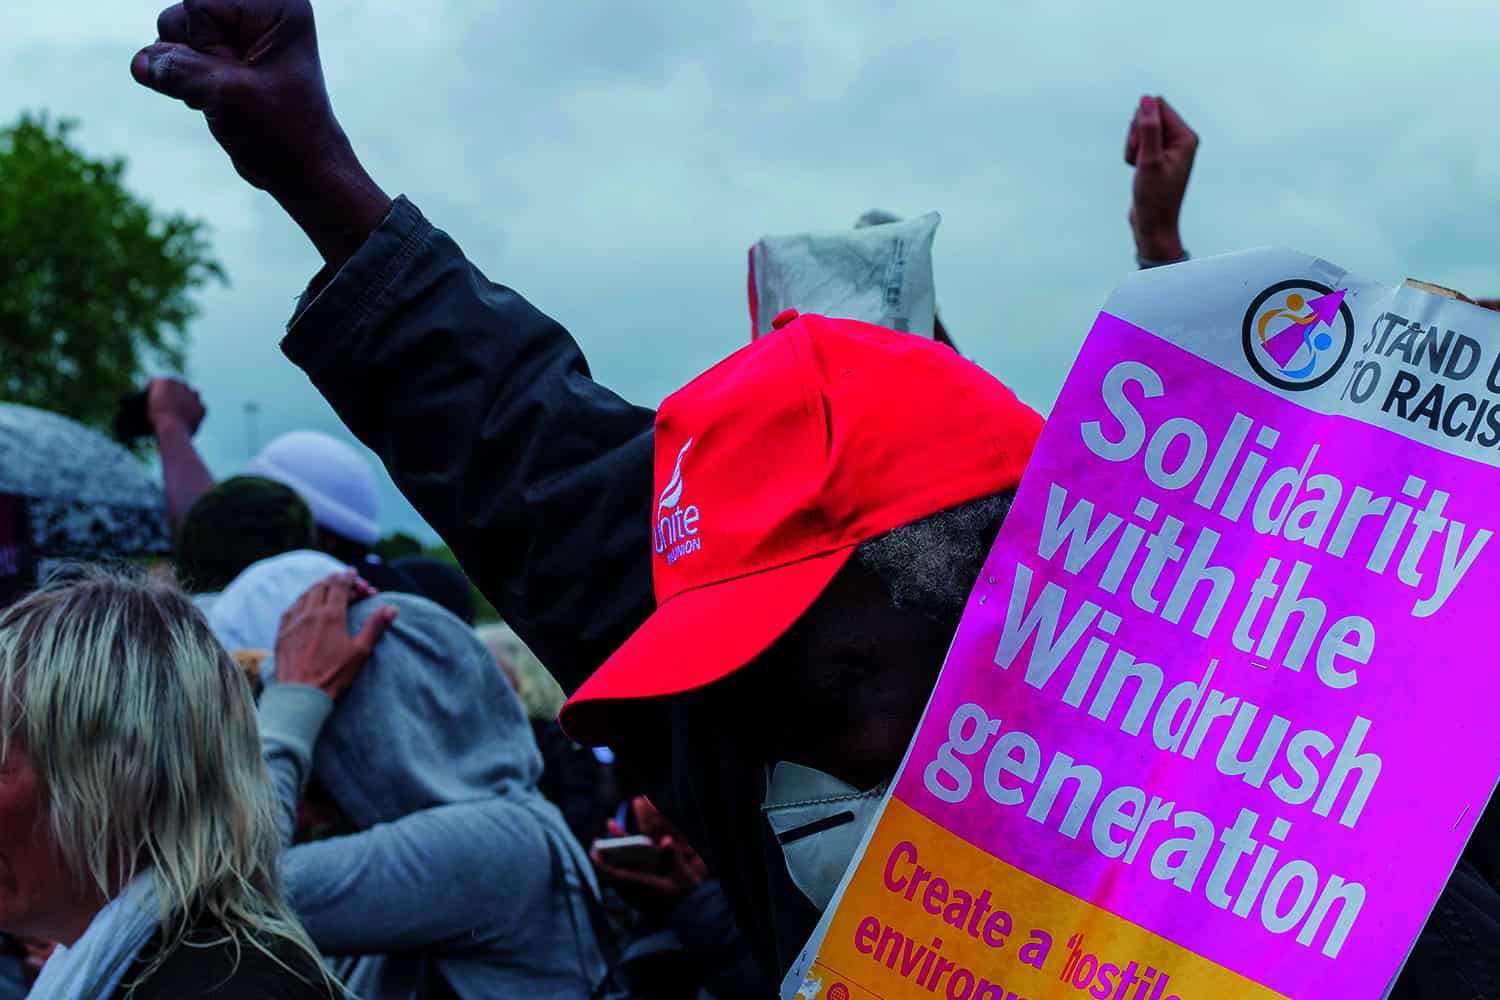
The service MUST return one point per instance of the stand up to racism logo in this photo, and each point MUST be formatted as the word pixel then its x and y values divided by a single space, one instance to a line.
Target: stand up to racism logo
pixel 1298 333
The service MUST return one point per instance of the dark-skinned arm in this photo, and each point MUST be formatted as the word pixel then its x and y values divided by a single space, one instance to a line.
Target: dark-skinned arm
pixel 1161 147
pixel 481 407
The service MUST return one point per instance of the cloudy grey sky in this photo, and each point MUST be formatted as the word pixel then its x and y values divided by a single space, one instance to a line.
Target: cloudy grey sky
pixel 614 161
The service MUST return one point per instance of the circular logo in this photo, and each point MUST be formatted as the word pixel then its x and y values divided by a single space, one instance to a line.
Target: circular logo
pixel 838 991
pixel 1298 333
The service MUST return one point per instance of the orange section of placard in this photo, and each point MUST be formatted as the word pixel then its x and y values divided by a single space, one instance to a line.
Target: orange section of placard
pixel 930 915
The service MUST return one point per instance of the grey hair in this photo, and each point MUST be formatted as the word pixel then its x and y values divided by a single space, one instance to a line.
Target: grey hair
pixel 144 737
pixel 932 564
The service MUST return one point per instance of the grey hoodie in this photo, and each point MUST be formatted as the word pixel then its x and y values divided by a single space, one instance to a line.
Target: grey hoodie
pixel 462 872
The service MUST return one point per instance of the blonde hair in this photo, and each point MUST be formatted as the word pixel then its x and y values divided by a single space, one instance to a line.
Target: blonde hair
pixel 144 738
pixel 538 690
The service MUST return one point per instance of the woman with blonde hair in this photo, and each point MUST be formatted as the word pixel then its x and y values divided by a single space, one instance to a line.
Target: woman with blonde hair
pixel 138 825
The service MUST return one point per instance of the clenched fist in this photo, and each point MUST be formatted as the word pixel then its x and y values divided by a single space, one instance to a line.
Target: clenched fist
pixel 1161 147
pixel 172 403
pixel 252 68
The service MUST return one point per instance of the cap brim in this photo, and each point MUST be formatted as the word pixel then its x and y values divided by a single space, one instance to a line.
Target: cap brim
pixel 698 637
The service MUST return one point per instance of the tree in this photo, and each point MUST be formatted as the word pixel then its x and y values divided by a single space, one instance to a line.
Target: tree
pixel 397 545
pixel 94 285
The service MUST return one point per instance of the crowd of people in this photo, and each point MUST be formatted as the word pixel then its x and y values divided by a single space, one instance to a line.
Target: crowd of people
pixel 283 767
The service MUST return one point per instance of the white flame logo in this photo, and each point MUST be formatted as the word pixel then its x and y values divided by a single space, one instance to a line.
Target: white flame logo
pixel 673 491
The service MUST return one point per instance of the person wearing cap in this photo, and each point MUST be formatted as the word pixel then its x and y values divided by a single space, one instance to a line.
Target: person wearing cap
pixel 341 491
pixel 333 479
pixel 244 519
pixel 751 591
pixel 747 638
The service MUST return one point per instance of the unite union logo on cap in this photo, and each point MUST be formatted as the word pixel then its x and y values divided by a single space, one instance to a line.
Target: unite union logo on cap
pixel 675 532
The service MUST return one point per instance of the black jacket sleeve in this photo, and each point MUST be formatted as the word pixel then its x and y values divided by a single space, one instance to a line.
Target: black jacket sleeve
pixel 484 412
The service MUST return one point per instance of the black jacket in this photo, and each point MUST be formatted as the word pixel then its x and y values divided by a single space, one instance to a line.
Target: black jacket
pixel 539 478
pixel 208 965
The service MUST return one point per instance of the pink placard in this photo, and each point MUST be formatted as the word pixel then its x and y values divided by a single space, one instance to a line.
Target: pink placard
pixel 1220 675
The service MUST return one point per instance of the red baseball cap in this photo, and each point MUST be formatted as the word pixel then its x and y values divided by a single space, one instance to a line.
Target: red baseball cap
pixel 772 466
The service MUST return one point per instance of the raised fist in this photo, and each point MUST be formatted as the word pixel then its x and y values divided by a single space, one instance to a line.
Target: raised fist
pixel 251 67
pixel 1161 147
pixel 171 402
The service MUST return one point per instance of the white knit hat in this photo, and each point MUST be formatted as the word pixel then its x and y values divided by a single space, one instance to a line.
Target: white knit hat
pixel 333 478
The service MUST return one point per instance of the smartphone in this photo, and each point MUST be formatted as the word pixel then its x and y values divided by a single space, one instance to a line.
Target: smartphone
pixel 131 422
pixel 637 852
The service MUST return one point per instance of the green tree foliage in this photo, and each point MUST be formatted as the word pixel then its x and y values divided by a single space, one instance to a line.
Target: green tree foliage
pixel 94 285
pixel 398 545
